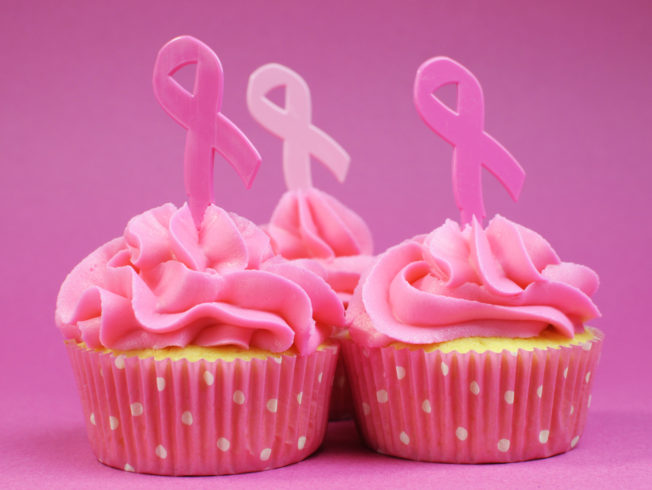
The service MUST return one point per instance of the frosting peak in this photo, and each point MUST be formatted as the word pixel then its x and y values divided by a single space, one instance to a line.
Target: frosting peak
pixel 167 283
pixel 310 224
pixel 505 280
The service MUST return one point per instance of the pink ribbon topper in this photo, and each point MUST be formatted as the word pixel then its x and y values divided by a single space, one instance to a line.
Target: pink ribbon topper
pixel 293 124
pixel 208 129
pixel 464 129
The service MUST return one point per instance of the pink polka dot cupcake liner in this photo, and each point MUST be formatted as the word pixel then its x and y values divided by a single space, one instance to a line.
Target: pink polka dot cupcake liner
pixel 475 407
pixel 177 417
pixel 341 407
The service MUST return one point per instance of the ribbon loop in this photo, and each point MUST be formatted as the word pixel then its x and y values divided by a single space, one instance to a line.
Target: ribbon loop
pixel 292 123
pixel 464 129
pixel 199 112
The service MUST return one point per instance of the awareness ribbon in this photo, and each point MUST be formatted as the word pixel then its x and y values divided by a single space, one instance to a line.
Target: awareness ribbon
pixel 292 124
pixel 208 129
pixel 473 146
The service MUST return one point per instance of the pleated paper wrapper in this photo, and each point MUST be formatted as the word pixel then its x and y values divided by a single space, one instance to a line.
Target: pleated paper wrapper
pixel 176 417
pixel 341 407
pixel 472 407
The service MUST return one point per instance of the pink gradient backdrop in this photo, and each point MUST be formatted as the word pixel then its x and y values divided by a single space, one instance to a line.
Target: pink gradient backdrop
pixel 84 146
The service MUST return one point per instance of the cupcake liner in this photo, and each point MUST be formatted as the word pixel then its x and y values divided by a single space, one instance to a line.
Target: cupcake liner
pixel 177 417
pixel 473 407
pixel 341 407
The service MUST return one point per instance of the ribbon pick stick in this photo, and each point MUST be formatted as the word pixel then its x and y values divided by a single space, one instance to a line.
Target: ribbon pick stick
pixel 292 123
pixel 208 129
pixel 464 129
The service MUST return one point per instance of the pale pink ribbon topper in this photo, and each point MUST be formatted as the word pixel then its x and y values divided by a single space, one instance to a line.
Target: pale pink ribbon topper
pixel 464 129
pixel 292 124
pixel 199 112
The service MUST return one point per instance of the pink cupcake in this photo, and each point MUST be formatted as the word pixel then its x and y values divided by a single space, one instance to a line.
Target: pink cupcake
pixel 469 344
pixel 196 349
pixel 308 226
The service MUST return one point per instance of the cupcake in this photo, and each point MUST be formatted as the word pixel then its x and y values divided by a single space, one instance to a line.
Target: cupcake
pixel 196 349
pixel 469 344
pixel 308 226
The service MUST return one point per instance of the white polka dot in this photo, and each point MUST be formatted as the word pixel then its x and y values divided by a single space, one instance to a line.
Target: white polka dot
pixel 341 381
pixel 277 360
pixel 461 433
pixel 572 409
pixel 366 408
pixel 265 454
pixel 299 397
pixel 543 436
pixel 444 368
pixel 588 376
pixel 186 418
pixel 509 397
pixel 113 422
pixel 400 372
pixel 474 387
pixel 365 352
pixel 588 404
pixel 301 443
pixel 381 396
pixel 161 452
pixel 540 391
pixel 272 405
pixel 320 377
pixel 160 383
pixel 425 406
pixel 119 362
pixel 503 445
pixel 92 417
pixel 574 441
pixel 128 467
pixel 136 409
pixel 238 397
pixel 223 444
pixel 566 372
pixel 586 346
pixel 405 439
pixel 209 379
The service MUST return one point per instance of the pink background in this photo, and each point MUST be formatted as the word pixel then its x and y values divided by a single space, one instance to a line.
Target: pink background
pixel 84 146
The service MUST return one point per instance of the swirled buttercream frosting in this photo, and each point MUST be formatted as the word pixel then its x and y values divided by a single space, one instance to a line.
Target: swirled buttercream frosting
pixel 308 223
pixel 502 281
pixel 165 282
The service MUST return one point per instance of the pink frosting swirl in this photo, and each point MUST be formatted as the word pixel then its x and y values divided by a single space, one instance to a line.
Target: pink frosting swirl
pixel 166 283
pixel 505 281
pixel 308 223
